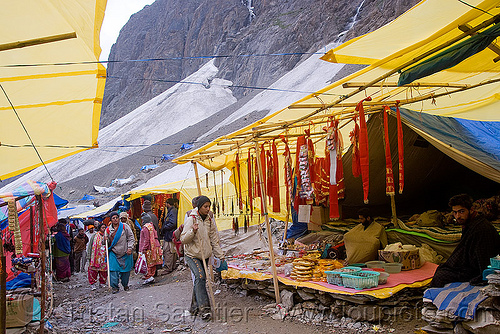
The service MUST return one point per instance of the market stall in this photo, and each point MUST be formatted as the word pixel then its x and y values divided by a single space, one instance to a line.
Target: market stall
pixel 26 215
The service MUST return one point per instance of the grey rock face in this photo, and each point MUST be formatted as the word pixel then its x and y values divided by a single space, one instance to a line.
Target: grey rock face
pixel 181 32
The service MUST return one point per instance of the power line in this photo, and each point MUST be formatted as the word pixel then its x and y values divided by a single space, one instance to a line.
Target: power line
pixel 232 86
pixel 165 59
pixel 26 130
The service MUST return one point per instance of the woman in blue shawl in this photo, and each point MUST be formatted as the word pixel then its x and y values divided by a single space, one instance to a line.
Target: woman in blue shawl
pixel 62 249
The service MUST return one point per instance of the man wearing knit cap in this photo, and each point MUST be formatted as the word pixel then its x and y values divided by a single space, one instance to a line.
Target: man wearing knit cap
pixel 146 207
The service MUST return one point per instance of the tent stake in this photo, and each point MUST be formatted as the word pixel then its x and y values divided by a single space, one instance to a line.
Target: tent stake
pixel 41 243
pixel 268 227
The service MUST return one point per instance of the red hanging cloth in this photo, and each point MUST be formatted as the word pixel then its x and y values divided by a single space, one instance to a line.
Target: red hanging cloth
pixel 389 177
pixel 270 174
pixel 276 181
pixel 250 183
pixel 288 171
pixel 238 171
pixel 363 149
pixel 263 165
pixel 400 150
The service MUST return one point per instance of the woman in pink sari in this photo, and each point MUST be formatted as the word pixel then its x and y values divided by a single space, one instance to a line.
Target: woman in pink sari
pixel 98 266
pixel 150 246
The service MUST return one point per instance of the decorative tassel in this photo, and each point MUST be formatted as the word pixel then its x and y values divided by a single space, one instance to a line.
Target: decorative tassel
pixel 245 224
pixel 240 196
pixel 250 183
pixel 400 150
pixel 206 179
pixel 222 190
pixel 216 202
pixel 389 177
pixel 363 149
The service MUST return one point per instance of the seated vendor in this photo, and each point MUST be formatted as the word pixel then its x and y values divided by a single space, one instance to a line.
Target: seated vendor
pixel 363 241
pixel 480 241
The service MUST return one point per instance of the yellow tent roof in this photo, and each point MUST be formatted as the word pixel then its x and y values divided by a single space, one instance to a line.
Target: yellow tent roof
pixel 59 105
pixel 469 90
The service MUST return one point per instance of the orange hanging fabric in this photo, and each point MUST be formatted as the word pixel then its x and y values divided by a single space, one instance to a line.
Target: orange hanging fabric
pixel 400 150
pixel 250 183
pixel 238 171
pixel 363 149
pixel 276 183
pixel 389 177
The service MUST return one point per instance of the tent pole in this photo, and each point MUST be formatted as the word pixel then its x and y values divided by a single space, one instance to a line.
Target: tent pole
pixel 393 209
pixel 32 236
pixel 195 166
pixel 268 227
pixel 3 288
pixel 41 243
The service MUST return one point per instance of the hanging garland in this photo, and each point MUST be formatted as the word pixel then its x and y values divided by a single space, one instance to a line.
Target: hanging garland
pixel 14 226
pixel 389 177
pixel 307 190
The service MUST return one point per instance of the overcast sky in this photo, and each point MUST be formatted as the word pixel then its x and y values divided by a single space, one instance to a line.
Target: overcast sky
pixel 117 14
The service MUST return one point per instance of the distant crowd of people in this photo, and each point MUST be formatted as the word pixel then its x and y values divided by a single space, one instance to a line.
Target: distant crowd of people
pixel 112 249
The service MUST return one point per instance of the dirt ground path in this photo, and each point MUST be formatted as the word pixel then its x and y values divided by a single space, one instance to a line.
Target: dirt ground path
pixel 161 308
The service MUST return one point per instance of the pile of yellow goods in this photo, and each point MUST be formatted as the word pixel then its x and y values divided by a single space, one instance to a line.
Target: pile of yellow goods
pixel 303 267
pixel 323 265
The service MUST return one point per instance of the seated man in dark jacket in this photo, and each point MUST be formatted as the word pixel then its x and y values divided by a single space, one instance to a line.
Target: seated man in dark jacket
pixel 480 241
pixel 168 228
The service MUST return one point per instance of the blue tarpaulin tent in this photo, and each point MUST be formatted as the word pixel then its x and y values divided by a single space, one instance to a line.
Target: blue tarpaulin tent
pixel 60 202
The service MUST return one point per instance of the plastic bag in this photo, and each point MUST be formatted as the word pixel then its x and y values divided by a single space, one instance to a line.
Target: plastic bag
pixel 141 266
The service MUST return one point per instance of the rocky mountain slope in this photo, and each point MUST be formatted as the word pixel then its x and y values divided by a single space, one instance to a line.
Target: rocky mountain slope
pixel 243 33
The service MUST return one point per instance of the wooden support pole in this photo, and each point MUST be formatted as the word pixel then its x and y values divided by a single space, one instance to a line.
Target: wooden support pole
pixel 3 288
pixel 195 166
pixel 41 244
pixel 268 227
pixel 32 237
pixel 37 41
pixel 393 209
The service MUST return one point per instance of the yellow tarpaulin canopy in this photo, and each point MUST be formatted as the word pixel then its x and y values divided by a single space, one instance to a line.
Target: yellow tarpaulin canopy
pixel 470 90
pixel 59 105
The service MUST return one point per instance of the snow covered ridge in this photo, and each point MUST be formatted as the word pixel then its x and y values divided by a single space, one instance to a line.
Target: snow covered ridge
pixel 168 113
